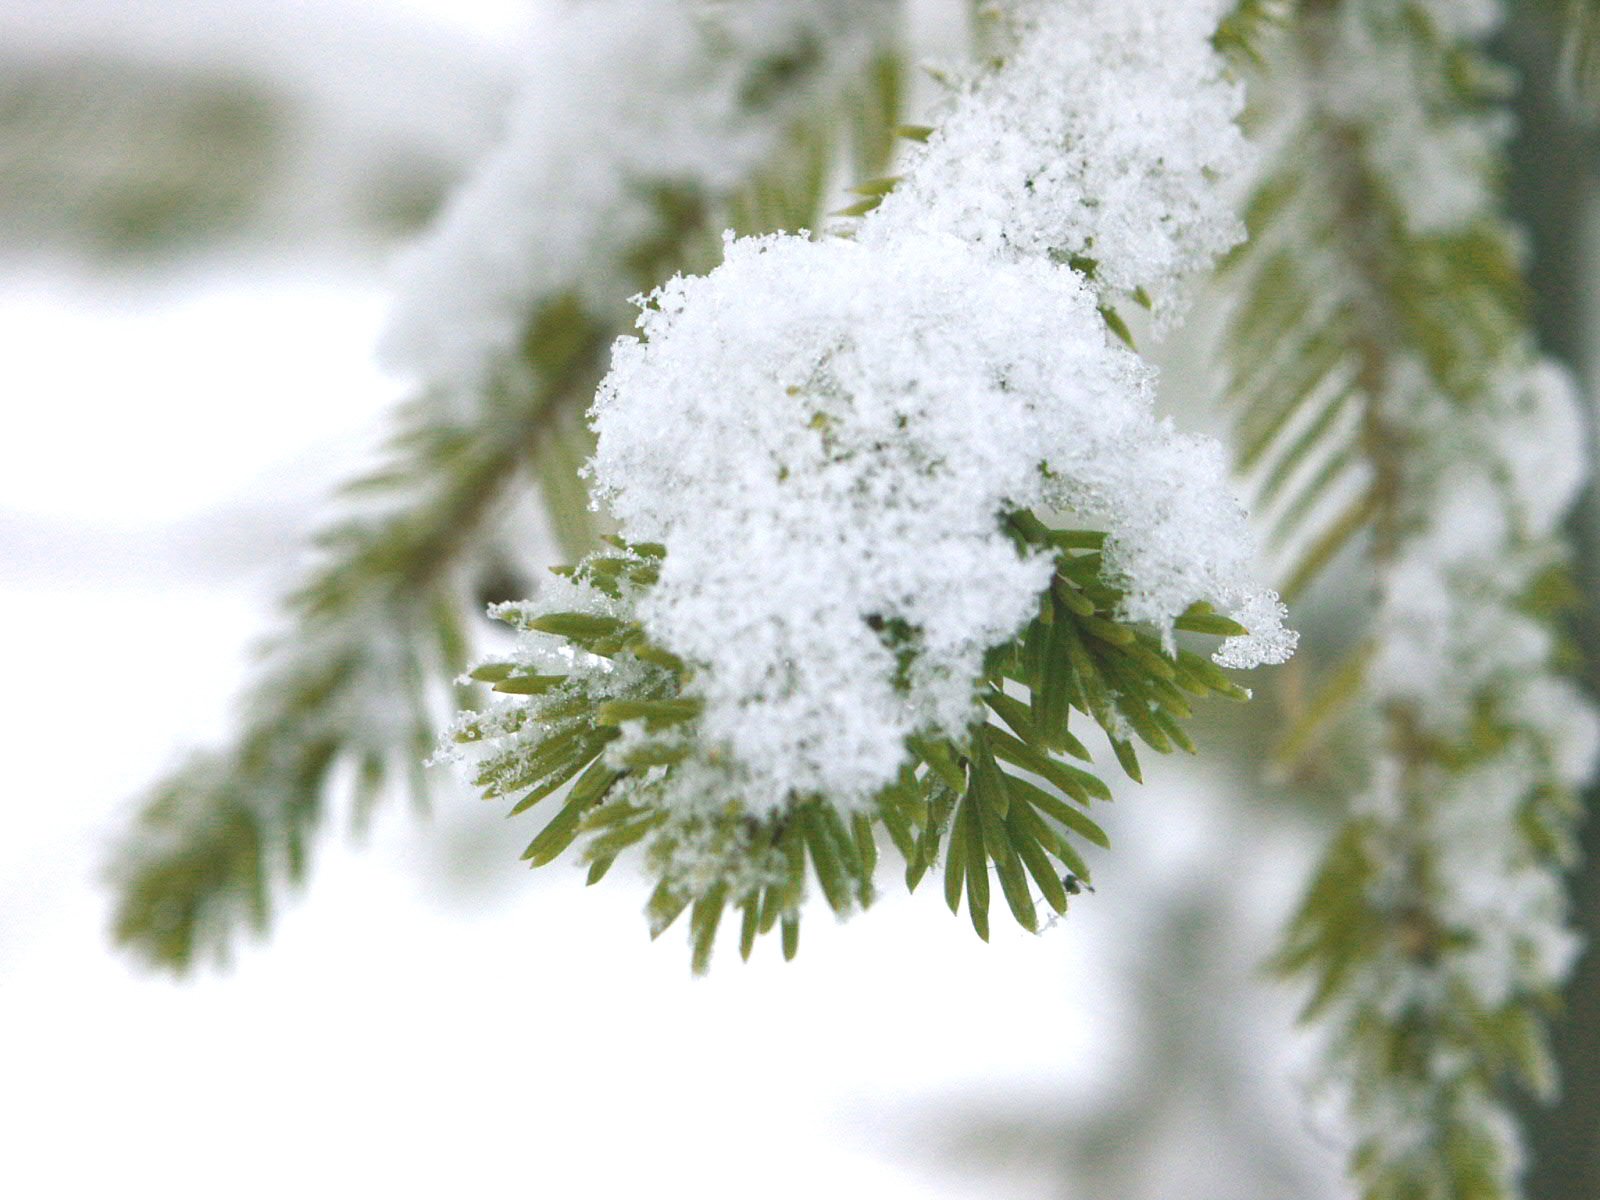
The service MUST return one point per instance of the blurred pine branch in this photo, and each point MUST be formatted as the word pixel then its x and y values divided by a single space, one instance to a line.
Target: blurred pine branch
pixel 380 626
pixel 1383 364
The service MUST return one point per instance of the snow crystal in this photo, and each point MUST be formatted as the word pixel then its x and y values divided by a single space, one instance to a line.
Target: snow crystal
pixel 1262 613
pixel 1565 723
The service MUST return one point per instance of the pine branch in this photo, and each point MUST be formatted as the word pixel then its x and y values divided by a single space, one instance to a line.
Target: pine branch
pixel 622 722
pixel 379 626
pixel 750 698
pixel 380 618
pixel 1389 393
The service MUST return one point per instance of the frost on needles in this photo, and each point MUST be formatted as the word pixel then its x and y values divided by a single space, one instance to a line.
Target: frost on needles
pixel 826 457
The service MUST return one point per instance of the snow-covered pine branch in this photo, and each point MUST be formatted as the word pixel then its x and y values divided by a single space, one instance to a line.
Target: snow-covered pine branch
pixel 599 189
pixel 1390 387
pixel 826 454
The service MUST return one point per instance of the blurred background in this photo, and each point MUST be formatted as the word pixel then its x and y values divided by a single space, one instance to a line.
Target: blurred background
pixel 199 204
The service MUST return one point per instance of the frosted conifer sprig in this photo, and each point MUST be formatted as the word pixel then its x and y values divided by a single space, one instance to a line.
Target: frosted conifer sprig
pixel 1390 391
pixel 380 623
pixel 589 700
pixel 828 438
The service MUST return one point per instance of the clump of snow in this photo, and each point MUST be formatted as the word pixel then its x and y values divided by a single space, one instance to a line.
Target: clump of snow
pixel 1105 138
pixel 1486 487
pixel 1543 444
pixel 1516 915
pixel 1564 723
pixel 624 98
pixel 854 422
pixel 1267 642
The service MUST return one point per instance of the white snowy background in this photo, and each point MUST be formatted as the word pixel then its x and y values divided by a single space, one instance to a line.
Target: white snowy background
pixel 428 1018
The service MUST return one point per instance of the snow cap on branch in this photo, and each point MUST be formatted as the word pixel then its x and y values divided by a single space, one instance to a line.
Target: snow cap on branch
pixel 1105 138
pixel 827 435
